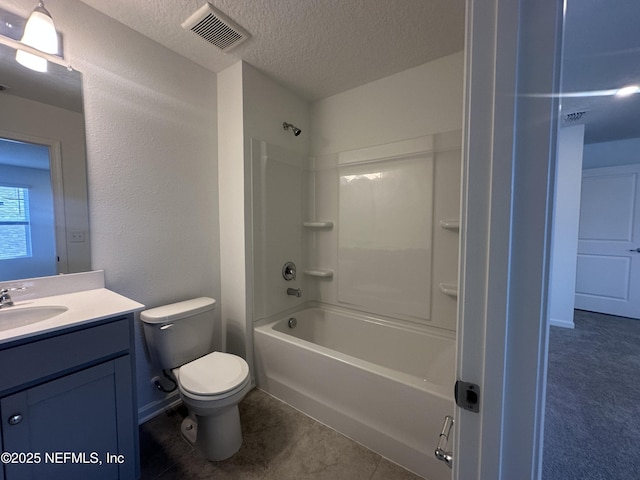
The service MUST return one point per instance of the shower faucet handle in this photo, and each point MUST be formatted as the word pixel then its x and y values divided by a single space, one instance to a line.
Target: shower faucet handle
pixel 289 271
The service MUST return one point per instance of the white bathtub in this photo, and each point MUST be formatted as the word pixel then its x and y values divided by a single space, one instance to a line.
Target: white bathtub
pixel 387 386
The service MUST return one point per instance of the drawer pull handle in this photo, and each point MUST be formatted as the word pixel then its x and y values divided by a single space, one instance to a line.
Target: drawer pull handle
pixel 15 419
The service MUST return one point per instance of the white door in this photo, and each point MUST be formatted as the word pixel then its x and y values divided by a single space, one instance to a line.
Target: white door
pixel 608 271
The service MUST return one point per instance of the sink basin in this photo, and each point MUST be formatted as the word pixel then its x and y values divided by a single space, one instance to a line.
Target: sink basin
pixel 14 317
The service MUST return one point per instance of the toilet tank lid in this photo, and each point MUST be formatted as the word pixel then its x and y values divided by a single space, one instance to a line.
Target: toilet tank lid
pixel 176 311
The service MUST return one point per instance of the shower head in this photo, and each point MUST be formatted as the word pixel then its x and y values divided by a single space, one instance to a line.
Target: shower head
pixel 296 131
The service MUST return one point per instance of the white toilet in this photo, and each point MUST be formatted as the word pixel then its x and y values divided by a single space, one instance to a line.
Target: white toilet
pixel 211 384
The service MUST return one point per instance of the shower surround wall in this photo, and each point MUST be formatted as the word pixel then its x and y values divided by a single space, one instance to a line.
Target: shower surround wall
pixel 369 127
pixel 422 104
pixel 279 176
pixel 393 250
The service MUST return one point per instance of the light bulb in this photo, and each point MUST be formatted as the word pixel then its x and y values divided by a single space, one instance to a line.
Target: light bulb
pixel 39 33
pixel 626 91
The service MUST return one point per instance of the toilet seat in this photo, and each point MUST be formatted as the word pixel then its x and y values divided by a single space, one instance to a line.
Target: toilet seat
pixel 229 396
pixel 217 374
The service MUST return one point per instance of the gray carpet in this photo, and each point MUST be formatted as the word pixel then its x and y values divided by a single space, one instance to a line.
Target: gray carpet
pixel 592 425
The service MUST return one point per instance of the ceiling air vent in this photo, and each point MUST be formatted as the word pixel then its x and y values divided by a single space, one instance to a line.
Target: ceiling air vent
pixel 574 117
pixel 216 28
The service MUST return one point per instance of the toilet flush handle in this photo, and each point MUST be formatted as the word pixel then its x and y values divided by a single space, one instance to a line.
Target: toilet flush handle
pixel 167 326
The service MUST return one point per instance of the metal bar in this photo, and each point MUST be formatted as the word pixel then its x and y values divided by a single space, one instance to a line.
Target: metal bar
pixel 10 42
pixel 441 453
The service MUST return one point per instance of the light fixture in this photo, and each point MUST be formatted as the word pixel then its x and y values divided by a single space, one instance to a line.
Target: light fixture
pixel 627 91
pixel 39 33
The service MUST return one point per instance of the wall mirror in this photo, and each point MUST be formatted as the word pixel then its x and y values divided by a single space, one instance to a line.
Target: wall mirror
pixel 44 215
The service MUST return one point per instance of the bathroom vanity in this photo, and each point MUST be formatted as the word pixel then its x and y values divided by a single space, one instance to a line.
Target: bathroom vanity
pixel 67 391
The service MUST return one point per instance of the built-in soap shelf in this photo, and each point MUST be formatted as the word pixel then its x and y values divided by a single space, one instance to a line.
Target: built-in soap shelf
pixel 318 225
pixel 319 272
pixel 450 289
pixel 450 224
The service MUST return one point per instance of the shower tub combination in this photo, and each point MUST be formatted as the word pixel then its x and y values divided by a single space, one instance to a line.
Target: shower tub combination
pixel 390 392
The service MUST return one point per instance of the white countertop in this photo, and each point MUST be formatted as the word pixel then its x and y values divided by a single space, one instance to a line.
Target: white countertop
pixel 83 307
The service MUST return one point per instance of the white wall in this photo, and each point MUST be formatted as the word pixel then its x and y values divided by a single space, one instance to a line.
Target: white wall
pixel 566 215
pixel 608 154
pixel 152 164
pixel 266 105
pixel 233 264
pixel 418 101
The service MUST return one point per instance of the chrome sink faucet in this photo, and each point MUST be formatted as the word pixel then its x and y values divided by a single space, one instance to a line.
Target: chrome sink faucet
pixel 5 298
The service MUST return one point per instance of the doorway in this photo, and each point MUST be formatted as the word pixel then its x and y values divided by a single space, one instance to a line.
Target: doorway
pixel 608 267
pixel 588 385
pixel 27 211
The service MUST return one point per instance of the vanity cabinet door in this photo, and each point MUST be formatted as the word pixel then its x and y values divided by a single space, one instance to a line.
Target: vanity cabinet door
pixel 75 427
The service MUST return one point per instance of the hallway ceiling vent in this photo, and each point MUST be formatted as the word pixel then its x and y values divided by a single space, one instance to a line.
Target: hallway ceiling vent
pixel 216 28
pixel 574 118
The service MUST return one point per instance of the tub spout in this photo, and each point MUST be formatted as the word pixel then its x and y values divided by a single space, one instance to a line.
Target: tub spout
pixel 294 291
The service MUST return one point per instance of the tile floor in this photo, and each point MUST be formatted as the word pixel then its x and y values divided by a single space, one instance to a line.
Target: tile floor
pixel 280 443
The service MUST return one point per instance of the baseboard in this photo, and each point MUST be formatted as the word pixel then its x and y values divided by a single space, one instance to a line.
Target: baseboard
pixel 153 409
pixel 556 322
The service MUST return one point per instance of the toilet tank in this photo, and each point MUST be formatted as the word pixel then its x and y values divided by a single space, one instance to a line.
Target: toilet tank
pixel 180 332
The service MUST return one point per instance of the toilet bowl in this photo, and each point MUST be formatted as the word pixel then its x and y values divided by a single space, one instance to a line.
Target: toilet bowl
pixel 211 388
pixel 210 383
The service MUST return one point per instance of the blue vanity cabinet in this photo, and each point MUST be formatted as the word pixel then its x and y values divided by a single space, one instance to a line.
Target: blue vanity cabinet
pixel 68 405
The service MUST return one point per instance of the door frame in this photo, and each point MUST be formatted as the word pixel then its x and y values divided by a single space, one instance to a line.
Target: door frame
pixel 57 190
pixel 512 54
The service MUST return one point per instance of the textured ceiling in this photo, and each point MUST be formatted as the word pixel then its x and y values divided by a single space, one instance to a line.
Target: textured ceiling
pixel 316 48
